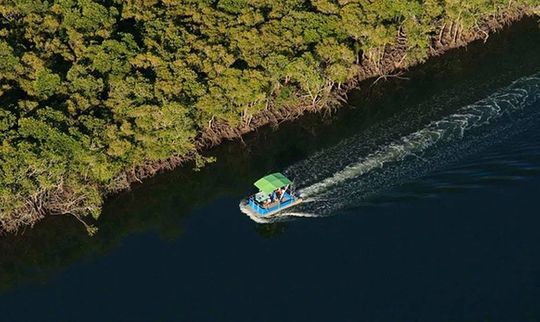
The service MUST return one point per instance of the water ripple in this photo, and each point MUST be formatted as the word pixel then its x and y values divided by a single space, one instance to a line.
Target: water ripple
pixel 360 168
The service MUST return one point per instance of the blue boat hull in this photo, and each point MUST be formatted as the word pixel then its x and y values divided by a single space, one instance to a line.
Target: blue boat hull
pixel 255 209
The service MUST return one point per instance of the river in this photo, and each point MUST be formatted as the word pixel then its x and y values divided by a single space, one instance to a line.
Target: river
pixel 423 205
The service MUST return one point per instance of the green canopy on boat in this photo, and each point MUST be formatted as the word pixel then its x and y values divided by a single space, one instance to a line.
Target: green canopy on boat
pixel 272 182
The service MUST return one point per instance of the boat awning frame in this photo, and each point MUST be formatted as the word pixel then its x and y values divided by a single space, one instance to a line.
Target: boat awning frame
pixel 272 182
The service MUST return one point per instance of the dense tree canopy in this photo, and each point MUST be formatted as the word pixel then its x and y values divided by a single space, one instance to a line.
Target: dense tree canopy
pixel 90 88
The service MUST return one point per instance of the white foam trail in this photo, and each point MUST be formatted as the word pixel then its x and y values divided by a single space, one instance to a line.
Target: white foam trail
pixel 299 214
pixel 449 128
pixel 255 218
pixel 362 165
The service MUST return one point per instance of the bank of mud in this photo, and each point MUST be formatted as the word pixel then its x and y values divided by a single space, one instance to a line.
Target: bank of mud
pixel 389 64
pixel 450 36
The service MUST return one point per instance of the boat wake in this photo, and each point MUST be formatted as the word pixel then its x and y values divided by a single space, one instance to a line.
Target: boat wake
pixel 394 152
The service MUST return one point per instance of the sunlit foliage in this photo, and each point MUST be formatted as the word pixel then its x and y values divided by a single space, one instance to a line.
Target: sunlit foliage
pixel 90 88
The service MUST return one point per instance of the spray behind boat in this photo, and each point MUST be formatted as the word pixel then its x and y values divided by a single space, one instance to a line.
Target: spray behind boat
pixel 355 170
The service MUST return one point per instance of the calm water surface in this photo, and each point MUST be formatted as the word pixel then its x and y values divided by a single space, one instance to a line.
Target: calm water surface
pixel 424 207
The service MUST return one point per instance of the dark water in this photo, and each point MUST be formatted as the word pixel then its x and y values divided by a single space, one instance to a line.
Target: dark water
pixel 443 231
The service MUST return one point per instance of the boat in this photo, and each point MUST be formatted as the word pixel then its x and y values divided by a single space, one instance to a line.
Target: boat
pixel 276 193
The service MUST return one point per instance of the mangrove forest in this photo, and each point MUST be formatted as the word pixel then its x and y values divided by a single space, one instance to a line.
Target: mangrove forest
pixel 98 94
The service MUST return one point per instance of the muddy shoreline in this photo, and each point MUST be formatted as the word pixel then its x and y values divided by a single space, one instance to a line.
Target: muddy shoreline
pixel 390 65
pixel 449 37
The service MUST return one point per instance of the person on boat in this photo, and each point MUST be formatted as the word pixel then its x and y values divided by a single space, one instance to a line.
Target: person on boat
pixel 279 193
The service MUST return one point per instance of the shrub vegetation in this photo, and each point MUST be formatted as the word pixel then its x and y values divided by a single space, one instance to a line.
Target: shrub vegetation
pixel 90 88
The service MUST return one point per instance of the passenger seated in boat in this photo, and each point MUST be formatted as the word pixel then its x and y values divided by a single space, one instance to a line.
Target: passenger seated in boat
pixel 262 199
pixel 278 194
pixel 282 193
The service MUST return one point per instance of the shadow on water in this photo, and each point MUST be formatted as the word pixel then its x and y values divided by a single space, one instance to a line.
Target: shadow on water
pixel 161 204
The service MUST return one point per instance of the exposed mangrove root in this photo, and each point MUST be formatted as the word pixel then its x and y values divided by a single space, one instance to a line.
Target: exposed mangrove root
pixel 389 64
pixel 383 63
